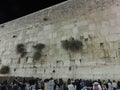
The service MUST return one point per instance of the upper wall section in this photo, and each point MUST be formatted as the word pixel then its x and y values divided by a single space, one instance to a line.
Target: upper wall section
pixel 61 12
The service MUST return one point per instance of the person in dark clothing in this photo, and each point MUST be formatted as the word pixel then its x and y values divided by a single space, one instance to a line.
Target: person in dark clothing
pixel 23 84
pixel 99 81
pixel 78 86
pixel 4 85
pixel 15 87
pixel 60 83
pixel 15 84
pixel 118 84
pixel 68 81
pixel 65 86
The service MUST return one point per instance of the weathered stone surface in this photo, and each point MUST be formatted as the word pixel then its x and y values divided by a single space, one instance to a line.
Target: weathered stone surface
pixel 94 22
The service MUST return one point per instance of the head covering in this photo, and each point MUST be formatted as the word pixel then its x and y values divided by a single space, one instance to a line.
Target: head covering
pixel 95 83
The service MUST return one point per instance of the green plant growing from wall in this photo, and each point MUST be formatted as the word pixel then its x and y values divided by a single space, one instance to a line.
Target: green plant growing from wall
pixel 20 49
pixel 5 70
pixel 38 53
pixel 72 45
pixel 39 47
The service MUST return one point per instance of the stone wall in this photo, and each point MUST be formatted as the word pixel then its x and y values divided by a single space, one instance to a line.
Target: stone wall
pixel 94 22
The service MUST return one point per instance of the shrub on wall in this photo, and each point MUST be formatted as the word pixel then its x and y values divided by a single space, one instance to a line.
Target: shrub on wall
pixel 37 56
pixel 5 70
pixel 39 47
pixel 72 45
pixel 20 48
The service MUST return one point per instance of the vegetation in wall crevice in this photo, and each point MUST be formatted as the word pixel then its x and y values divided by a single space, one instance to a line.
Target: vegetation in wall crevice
pixel 72 45
pixel 39 47
pixel 37 56
pixel 5 70
pixel 38 51
pixel 20 49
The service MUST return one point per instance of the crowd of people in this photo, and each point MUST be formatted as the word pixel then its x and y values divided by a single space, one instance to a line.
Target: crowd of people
pixel 59 84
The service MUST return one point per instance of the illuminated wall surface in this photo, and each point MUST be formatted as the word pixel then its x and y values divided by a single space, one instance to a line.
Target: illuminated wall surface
pixel 96 23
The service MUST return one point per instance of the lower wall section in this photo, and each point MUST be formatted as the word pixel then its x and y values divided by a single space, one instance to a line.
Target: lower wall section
pixel 79 72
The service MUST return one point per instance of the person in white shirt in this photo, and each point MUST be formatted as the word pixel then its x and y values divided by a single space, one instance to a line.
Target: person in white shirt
pixel 110 87
pixel 114 84
pixel 96 86
pixel 71 86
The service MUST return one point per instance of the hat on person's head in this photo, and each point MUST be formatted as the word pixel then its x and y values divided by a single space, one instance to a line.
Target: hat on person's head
pixel 95 83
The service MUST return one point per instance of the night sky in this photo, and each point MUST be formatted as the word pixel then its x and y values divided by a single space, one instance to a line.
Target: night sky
pixel 12 9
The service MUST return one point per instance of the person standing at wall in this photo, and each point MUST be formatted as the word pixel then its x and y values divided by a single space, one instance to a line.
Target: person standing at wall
pixel 71 86
pixel 51 84
pixel 114 84
pixel 96 86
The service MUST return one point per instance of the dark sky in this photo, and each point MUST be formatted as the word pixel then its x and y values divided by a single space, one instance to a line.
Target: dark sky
pixel 12 9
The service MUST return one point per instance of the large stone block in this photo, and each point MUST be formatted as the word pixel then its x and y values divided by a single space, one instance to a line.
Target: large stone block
pixel 69 26
pixel 92 27
pixel 82 23
pixel 66 63
pixel 113 37
pixel 75 30
pixel 30 60
pixel 47 27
